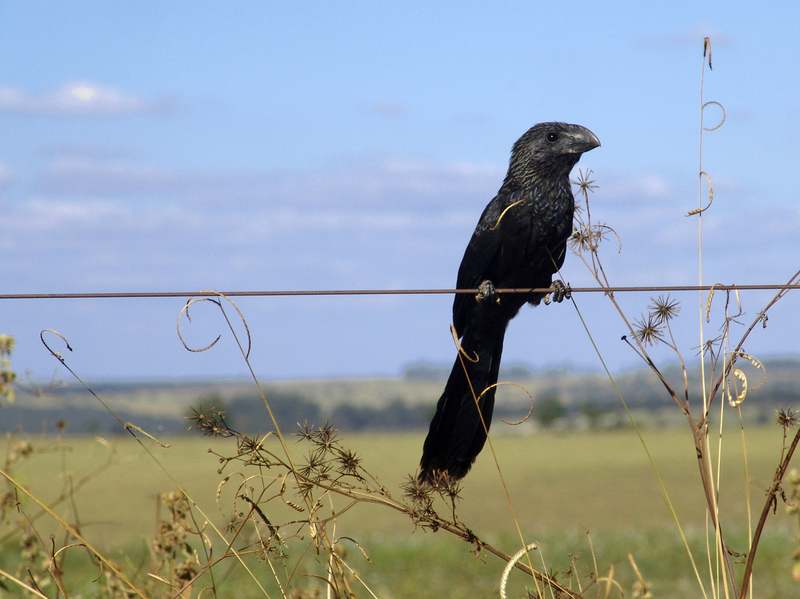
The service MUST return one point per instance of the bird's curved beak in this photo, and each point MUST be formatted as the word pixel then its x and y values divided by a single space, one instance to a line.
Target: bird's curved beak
pixel 582 140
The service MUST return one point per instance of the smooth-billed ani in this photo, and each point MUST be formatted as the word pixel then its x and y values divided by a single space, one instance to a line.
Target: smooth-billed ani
pixel 519 243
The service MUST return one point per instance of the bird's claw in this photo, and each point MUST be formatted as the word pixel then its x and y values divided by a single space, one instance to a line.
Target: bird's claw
pixel 559 291
pixel 486 291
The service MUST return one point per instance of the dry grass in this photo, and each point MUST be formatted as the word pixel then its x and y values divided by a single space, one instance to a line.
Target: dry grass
pixel 596 480
pixel 562 485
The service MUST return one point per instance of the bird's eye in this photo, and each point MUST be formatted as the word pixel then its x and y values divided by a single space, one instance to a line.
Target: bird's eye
pixel 552 137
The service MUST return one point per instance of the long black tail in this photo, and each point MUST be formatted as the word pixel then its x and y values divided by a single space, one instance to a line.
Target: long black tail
pixel 457 434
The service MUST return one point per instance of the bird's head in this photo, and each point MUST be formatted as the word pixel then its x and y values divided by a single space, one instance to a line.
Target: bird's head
pixel 547 151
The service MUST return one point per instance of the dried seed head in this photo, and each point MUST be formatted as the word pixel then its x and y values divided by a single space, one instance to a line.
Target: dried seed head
pixel 787 418
pixel 649 331
pixel 664 308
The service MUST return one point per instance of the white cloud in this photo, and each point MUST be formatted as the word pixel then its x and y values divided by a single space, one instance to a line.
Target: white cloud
pixel 44 215
pixel 77 98
pixel 94 151
pixel 642 186
pixel 96 218
pixel 289 221
pixel 387 183
pixel 395 182
pixel 390 224
pixel 6 174
pixel 388 108
pixel 413 215
pixel 84 174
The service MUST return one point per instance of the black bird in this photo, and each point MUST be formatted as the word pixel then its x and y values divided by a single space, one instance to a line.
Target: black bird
pixel 520 242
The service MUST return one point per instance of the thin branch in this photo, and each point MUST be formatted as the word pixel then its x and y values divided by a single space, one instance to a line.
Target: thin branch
pixel 770 504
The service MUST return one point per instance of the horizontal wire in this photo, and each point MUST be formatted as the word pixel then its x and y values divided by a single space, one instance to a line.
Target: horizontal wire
pixel 328 292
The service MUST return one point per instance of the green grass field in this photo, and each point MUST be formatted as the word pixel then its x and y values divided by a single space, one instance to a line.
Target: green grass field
pixel 561 486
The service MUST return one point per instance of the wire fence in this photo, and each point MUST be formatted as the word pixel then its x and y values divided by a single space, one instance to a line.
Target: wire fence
pixel 326 292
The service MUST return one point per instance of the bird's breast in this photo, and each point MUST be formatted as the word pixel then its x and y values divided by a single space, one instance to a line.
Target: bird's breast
pixel 533 235
pixel 546 216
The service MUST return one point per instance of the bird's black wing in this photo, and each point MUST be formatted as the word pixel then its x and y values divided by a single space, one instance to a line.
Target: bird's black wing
pixel 478 263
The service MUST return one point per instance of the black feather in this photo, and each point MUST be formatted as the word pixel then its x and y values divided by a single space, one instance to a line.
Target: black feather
pixel 519 242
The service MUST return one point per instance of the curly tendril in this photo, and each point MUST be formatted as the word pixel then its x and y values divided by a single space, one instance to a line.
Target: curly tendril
pixel 219 304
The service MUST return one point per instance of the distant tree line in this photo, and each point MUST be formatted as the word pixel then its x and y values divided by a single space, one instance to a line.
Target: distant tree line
pixel 249 415
pixel 563 399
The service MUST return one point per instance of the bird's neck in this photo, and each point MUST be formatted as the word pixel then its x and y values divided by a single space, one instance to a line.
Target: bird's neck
pixel 543 185
pixel 542 176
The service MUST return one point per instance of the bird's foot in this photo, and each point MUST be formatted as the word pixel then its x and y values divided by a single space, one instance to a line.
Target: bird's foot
pixel 486 291
pixel 440 481
pixel 559 292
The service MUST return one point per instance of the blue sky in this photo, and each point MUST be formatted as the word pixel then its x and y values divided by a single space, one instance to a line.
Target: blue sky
pixel 258 146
